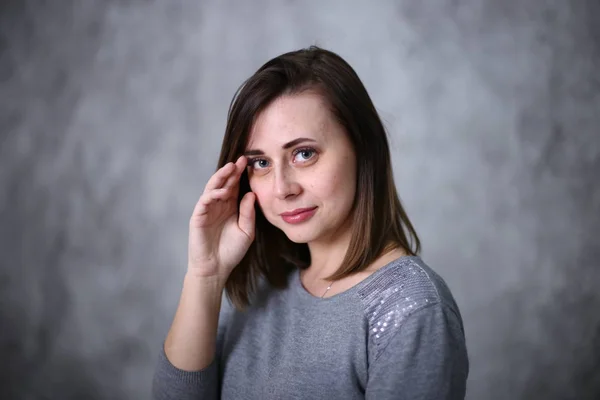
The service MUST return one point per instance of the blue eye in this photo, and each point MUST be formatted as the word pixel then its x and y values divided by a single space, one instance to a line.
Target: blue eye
pixel 301 155
pixel 258 163
pixel 305 154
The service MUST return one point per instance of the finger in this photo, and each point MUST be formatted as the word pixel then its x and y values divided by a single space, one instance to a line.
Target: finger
pixel 209 197
pixel 246 220
pixel 220 177
pixel 234 178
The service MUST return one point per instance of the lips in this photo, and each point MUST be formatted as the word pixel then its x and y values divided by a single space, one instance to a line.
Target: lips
pixel 298 215
pixel 296 211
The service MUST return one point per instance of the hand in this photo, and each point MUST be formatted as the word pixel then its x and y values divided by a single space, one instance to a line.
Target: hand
pixel 220 235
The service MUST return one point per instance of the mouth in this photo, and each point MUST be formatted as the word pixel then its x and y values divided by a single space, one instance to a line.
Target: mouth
pixel 298 215
pixel 296 211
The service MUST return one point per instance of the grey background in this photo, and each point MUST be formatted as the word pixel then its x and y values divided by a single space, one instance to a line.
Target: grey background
pixel 112 114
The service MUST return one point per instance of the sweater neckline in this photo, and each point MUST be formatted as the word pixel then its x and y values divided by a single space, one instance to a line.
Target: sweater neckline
pixel 299 289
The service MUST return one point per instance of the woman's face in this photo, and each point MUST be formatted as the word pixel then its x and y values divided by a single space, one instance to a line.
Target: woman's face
pixel 302 168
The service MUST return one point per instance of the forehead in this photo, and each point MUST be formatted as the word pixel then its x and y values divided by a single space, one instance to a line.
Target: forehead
pixel 291 116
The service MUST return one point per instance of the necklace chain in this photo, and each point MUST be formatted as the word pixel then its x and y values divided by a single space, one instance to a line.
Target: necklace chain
pixel 326 290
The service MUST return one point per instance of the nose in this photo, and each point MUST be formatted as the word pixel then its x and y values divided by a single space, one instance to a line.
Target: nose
pixel 285 184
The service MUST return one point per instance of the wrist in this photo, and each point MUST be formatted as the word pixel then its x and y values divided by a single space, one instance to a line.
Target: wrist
pixel 208 283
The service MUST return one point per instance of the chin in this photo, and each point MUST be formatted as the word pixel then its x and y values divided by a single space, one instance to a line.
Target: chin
pixel 300 234
pixel 298 240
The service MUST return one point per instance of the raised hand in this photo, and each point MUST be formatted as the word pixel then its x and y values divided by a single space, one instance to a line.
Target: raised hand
pixel 220 234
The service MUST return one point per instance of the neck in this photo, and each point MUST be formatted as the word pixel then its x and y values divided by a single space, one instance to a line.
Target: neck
pixel 327 256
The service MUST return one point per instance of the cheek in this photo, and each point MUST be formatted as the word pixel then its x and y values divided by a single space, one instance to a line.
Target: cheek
pixel 262 193
pixel 338 188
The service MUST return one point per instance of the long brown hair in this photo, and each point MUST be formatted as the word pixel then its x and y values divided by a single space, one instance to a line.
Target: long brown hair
pixel 380 222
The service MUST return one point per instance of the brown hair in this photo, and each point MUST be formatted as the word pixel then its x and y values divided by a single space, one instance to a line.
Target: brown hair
pixel 382 223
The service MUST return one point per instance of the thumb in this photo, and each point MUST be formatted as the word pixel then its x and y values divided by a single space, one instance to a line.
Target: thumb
pixel 246 221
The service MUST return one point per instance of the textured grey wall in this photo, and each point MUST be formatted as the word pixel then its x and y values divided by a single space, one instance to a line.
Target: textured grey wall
pixel 111 118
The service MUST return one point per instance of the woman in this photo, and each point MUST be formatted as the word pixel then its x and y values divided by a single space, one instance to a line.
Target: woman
pixel 301 227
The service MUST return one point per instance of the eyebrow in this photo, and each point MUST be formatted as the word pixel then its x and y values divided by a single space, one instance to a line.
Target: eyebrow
pixel 285 146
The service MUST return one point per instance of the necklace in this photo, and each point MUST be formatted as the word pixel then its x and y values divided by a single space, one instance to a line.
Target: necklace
pixel 326 290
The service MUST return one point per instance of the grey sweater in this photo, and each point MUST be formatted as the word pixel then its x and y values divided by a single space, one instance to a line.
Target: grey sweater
pixel 398 334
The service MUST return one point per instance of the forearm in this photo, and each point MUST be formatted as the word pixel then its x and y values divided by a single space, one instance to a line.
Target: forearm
pixel 191 342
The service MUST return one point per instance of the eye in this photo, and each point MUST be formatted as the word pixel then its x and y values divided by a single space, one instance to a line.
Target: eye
pixel 258 163
pixel 304 154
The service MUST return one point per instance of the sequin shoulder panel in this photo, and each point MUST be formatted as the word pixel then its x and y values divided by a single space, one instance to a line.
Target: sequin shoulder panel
pixel 392 296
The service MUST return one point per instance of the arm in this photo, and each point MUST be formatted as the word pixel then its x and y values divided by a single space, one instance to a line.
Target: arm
pixel 187 368
pixel 426 359
pixel 221 231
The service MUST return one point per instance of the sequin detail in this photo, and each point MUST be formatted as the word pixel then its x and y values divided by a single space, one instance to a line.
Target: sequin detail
pixel 392 296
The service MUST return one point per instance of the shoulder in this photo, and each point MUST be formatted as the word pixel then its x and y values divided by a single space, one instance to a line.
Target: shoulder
pixel 406 282
pixel 401 289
